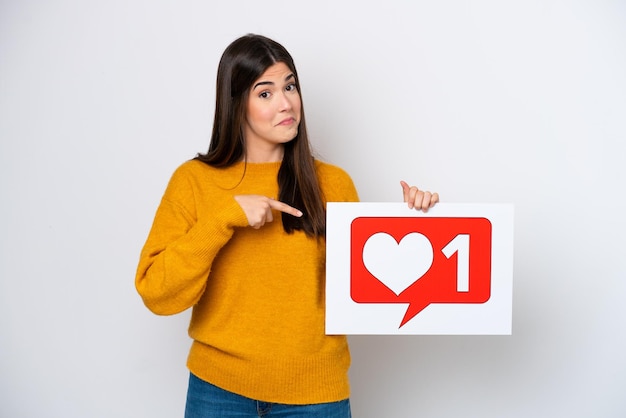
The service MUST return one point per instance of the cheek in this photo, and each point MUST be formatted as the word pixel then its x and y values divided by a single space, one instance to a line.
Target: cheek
pixel 259 114
pixel 297 107
pixel 254 115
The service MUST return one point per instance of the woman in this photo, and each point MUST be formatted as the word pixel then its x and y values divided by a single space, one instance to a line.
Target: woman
pixel 239 236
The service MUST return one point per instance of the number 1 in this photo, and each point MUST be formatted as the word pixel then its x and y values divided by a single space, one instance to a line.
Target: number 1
pixel 460 245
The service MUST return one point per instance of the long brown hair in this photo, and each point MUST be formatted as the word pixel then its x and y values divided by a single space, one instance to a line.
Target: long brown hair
pixel 242 63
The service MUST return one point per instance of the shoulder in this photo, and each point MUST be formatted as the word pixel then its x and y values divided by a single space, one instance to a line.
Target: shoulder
pixel 324 168
pixel 186 178
pixel 191 168
pixel 195 172
pixel 336 183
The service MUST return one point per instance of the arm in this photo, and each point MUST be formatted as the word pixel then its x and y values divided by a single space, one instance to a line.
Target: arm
pixel 176 259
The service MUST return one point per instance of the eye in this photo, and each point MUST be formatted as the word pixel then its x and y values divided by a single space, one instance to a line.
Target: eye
pixel 265 94
pixel 291 87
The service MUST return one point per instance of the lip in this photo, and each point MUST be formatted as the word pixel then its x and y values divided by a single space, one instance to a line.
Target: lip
pixel 287 121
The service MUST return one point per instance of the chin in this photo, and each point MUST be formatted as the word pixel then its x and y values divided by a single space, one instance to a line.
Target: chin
pixel 290 138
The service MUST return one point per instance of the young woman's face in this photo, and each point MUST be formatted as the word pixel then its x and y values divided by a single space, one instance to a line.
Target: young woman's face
pixel 273 111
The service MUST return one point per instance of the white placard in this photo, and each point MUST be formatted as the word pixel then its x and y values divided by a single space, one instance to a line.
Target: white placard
pixel 393 270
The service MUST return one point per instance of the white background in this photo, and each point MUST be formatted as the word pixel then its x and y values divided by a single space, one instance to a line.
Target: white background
pixel 519 102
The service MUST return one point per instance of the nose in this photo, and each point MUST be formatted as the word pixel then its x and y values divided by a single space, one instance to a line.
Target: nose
pixel 285 102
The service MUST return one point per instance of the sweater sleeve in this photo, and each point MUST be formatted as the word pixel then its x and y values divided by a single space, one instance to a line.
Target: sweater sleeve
pixel 176 259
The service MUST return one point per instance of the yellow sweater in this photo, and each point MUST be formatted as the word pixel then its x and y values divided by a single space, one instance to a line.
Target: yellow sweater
pixel 257 294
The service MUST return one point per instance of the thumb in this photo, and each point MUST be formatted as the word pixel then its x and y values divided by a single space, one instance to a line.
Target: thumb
pixel 405 190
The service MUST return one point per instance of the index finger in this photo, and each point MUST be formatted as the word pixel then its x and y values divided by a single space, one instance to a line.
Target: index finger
pixel 283 207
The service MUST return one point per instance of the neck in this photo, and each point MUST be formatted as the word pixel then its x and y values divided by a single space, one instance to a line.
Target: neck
pixel 271 155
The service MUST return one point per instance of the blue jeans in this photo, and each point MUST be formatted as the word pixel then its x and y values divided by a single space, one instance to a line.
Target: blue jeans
pixel 205 400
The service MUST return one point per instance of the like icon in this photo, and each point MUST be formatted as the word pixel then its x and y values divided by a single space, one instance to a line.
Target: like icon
pixel 420 261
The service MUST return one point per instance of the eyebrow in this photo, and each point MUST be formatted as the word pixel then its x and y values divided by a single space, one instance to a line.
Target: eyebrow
pixel 265 83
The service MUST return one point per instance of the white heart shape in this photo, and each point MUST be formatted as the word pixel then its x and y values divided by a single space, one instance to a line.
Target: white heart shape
pixel 398 265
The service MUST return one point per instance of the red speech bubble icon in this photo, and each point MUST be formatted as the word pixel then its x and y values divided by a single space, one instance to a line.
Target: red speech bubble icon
pixel 420 261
